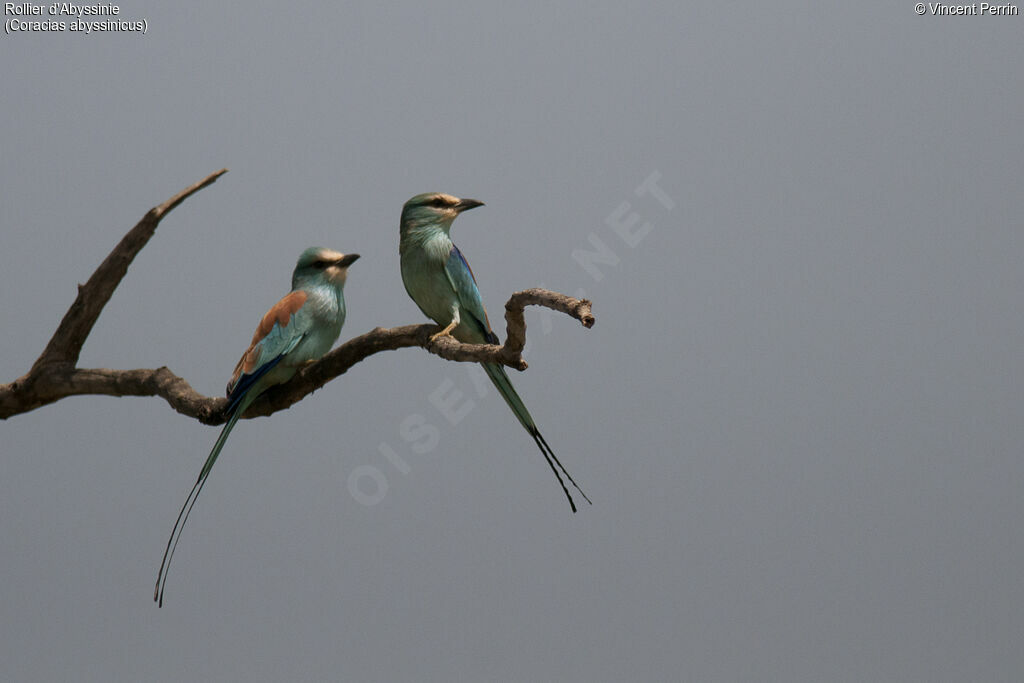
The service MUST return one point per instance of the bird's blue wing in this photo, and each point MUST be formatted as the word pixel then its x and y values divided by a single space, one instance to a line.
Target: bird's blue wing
pixel 463 281
pixel 279 332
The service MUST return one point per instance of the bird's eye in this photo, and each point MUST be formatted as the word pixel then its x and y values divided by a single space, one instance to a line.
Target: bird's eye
pixel 438 202
pixel 320 264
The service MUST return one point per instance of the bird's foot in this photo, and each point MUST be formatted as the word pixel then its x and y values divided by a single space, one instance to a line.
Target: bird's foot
pixel 446 332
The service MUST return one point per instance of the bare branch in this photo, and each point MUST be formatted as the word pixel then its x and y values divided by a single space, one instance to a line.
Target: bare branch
pixel 516 325
pixel 66 343
pixel 54 375
pixel 54 382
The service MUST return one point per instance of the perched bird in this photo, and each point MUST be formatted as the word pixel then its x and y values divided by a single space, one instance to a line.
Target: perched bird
pixel 440 281
pixel 298 329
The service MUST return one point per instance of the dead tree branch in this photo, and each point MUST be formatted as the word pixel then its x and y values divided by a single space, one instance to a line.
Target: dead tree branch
pixel 54 375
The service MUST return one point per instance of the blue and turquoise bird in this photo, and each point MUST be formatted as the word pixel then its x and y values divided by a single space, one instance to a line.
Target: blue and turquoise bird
pixel 298 329
pixel 440 281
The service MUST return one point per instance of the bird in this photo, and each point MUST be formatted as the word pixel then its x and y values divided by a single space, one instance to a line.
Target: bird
pixel 438 278
pixel 296 330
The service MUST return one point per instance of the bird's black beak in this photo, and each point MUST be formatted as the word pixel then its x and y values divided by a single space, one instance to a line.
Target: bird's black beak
pixel 467 204
pixel 348 260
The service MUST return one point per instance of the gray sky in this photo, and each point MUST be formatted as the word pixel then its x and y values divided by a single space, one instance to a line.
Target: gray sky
pixel 798 415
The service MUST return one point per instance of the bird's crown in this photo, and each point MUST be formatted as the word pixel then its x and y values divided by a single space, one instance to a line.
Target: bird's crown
pixel 434 208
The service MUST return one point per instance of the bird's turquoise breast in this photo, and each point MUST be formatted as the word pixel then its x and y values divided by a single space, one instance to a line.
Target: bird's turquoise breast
pixel 423 273
pixel 320 320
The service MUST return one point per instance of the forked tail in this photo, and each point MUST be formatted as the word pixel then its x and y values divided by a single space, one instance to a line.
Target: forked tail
pixel 508 392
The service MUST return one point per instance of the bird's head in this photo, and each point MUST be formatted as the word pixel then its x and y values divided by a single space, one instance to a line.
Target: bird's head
pixel 434 209
pixel 320 265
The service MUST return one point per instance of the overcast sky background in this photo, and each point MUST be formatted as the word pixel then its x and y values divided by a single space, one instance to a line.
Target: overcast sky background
pixel 799 414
